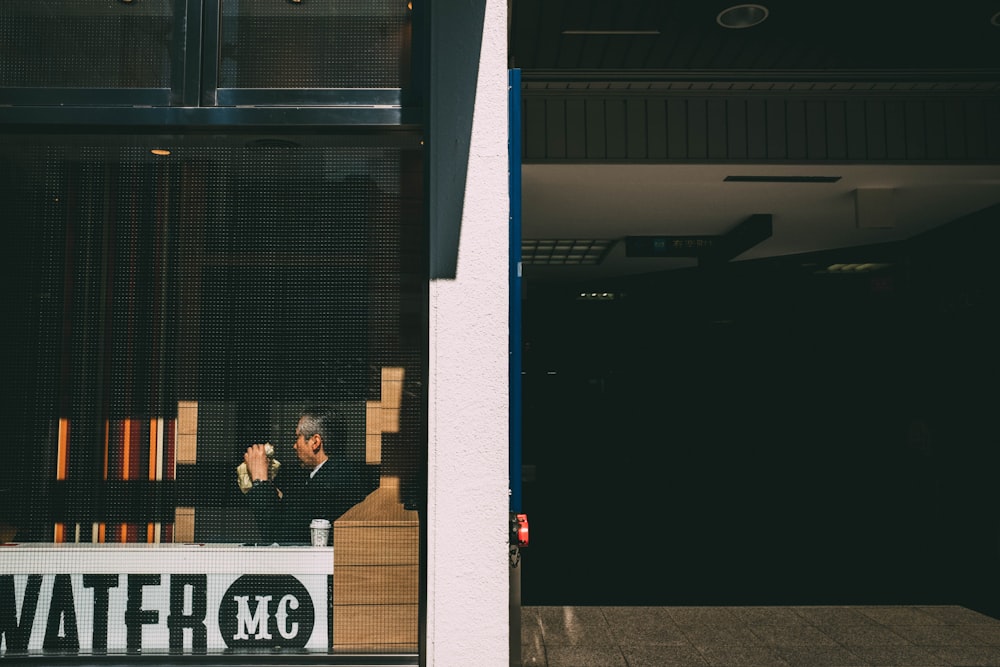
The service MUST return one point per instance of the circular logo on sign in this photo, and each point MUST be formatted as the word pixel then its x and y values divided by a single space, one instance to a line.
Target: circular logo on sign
pixel 266 611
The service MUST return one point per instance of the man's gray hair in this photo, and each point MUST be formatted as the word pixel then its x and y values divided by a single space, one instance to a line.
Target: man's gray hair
pixel 321 421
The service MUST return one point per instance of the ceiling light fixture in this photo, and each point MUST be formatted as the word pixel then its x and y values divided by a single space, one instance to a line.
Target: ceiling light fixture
pixel 742 16
pixel 564 251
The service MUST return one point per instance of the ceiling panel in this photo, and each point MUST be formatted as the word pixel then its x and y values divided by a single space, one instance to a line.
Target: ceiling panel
pixel 796 35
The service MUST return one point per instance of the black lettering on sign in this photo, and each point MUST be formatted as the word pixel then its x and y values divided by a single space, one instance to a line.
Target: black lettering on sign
pixel 18 633
pixel 177 620
pixel 266 611
pixel 135 615
pixel 62 616
pixel 101 583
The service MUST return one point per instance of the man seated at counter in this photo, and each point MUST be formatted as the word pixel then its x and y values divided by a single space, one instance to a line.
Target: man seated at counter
pixel 325 486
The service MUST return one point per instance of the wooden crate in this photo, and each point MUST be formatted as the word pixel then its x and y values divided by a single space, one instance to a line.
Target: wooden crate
pixel 376 574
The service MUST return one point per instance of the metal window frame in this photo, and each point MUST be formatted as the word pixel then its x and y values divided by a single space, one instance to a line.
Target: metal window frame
pixel 194 99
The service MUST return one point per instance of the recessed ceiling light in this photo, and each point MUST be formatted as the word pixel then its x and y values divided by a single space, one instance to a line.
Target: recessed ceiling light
pixel 741 16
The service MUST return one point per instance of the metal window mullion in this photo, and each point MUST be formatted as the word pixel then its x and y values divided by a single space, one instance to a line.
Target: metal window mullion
pixel 185 85
pixel 210 39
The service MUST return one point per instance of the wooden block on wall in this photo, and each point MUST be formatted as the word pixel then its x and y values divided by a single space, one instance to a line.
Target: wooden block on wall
pixel 187 417
pixel 380 584
pixel 386 545
pixel 187 432
pixel 376 627
pixel 376 574
pixel 184 524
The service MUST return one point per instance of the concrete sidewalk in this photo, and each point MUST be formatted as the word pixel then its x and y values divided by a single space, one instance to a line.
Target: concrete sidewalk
pixel 758 636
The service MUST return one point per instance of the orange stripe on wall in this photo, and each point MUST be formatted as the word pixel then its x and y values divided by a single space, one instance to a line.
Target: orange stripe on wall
pixel 153 434
pixel 126 448
pixel 126 457
pixel 62 458
pixel 152 448
pixel 107 437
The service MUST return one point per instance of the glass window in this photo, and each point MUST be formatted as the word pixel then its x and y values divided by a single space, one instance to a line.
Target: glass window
pixel 86 43
pixel 164 314
pixel 309 44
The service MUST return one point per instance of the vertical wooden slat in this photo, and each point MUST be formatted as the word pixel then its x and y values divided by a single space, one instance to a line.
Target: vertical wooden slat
pixel 534 128
pixel 955 133
pixel 716 130
pixel 756 129
pixel 936 130
pixel 776 145
pixel 736 129
pixel 916 130
pixel 993 129
pixel 616 129
pixel 857 130
pixel 677 125
pixel 656 128
pixel 875 130
pixel 596 139
pixel 895 131
pixel 576 129
pixel 816 130
pixel 555 129
pixel 795 129
pixel 697 129
pixel 975 128
pixel 637 136
pixel 836 130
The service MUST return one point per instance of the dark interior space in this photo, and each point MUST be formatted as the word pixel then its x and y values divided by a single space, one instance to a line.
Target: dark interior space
pixel 768 432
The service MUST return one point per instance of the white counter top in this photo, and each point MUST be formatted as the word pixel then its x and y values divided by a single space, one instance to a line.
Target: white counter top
pixel 142 558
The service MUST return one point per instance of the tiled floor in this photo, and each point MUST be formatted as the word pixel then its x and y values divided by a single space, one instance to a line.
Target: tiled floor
pixel 848 636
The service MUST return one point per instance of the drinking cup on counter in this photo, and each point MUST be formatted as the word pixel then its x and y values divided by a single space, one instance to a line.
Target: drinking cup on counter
pixel 319 529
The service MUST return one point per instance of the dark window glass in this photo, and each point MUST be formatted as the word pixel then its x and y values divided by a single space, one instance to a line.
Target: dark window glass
pixel 85 43
pixel 310 44
pixel 164 313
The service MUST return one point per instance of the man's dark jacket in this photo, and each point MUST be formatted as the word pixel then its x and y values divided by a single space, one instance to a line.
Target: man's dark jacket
pixel 335 488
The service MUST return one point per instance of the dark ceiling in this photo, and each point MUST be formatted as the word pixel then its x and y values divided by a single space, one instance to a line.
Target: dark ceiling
pixel 796 35
pixel 638 47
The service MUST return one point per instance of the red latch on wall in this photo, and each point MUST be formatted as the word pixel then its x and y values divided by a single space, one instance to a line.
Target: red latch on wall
pixel 520 530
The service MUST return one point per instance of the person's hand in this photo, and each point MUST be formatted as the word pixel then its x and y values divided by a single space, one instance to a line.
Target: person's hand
pixel 257 462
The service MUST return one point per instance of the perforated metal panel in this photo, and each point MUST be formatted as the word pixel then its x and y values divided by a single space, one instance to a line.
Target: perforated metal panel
pixel 86 43
pixel 315 44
